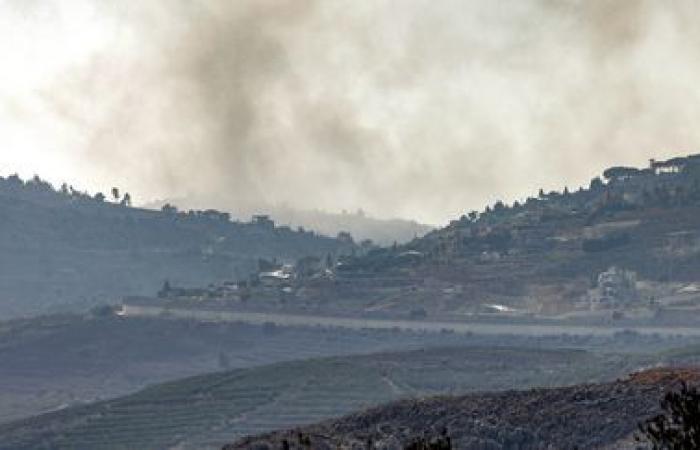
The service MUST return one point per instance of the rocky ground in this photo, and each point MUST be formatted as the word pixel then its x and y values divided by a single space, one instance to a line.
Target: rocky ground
pixel 582 416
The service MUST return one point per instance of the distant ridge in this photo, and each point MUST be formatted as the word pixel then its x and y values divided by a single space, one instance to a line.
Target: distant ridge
pixel 361 226
pixel 63 249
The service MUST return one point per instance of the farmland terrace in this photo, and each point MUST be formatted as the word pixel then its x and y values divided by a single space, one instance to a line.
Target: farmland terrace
pixel 53 362
pixel 209 411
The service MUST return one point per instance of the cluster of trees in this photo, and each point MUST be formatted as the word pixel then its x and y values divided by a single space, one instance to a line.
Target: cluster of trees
pixel 677 188
pixel 40 186
pixel 125 199
pixel 619 189
pixel 42 190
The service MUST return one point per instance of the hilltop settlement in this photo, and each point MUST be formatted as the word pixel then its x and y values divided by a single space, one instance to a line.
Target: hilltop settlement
pixel 625 247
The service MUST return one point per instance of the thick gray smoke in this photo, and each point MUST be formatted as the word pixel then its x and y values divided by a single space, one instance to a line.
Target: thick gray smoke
pixel 415 108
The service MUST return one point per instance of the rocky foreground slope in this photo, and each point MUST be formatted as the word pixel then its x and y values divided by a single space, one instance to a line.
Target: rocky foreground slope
pixel 582 416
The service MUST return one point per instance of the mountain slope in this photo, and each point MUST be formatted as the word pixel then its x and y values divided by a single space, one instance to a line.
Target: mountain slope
pixel 52 362
pixel 549 255
pixel 582 416
pixel 211 410
pixel 68 248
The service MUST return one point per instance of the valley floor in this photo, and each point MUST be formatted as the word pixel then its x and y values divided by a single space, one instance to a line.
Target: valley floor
pixel 277 377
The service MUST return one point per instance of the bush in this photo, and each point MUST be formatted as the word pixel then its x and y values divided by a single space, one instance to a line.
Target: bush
pixel 442 442
pixel 606 243
pixel 103 311
pixel 678 428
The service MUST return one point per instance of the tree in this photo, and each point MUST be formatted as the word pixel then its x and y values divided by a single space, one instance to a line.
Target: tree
pixel 442 442
pixel 126 201
pixel 345 238
pixel 100 197
pixel 620 173
pixel 40 184
pixel 115 194
pixel 473 215
pixel 169 209
pixel 304 440
pixel 367 244
pixel 165 290
pixel 678 428
pixel 15 180
pixel 103 311
pixel 596 183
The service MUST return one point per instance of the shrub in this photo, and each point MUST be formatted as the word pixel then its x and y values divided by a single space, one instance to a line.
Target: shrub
pixel 606 243
pixel 442 442
pixel 678 428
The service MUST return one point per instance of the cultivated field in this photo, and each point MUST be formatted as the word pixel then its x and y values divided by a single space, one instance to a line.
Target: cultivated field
pixel 208 411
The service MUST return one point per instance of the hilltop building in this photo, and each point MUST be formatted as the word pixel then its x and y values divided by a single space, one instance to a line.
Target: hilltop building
pixel 616 288
pixel 674 165
pixel 263 221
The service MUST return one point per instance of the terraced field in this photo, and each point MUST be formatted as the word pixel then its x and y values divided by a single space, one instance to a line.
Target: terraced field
pixel 211 410
pixel 52 362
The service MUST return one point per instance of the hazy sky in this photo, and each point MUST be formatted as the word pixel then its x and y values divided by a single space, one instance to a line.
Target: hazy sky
pixel 414 108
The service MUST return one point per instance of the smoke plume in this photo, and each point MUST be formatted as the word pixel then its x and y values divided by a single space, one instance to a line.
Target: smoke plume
pixel 416 108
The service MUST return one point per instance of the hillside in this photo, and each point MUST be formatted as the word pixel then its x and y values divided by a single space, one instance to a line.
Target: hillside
pixel 582 416
pixel 52 362
pixel 628 244
pixel 210 410
pixel 63 249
